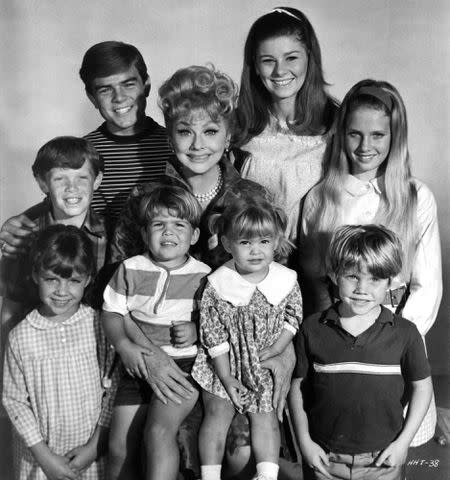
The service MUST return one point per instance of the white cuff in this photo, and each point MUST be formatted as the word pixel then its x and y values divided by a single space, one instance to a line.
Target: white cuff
pixel 289 327
pixel 219 349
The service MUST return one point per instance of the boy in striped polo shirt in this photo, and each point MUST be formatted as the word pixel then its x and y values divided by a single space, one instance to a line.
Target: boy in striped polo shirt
pixel 154 298
pixel 358 364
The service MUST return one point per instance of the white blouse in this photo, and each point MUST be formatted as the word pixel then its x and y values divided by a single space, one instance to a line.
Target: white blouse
pixel 360 202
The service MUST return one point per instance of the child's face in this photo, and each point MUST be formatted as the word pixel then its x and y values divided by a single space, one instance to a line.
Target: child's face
pixel 169 238
pixel 70 191
pixel 282 64
pixel 121 100
pixel 199 141
pixel 251 255
pixel 367 142
pixel 360 291
pixel 60 297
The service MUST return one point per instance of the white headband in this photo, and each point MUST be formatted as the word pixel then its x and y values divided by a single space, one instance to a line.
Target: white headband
pixel 286 12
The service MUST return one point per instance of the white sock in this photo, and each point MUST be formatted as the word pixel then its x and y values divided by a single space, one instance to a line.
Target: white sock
pixel 268 469
pixel 210 472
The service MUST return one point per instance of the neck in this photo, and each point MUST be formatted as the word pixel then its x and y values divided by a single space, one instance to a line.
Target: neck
pixel 356 324
pixel 284 110
pixel 77 221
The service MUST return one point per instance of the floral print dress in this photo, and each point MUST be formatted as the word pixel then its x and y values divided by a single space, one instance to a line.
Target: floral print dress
pixel 242 318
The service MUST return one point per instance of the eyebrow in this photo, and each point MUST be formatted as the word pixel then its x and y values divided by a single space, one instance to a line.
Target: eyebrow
pixel 130 79
pixel 287 53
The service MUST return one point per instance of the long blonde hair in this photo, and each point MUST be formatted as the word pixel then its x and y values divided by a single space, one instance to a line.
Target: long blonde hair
pixel 398 206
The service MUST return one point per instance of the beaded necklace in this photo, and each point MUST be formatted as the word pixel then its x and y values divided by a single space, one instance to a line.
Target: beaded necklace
pixel 206 197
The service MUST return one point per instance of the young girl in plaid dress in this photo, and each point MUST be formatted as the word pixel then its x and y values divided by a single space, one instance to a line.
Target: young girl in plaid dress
pixel 250 310
pixel 54 366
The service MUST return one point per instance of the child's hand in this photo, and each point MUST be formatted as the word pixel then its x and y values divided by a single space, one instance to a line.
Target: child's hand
pixel 392 456
pixel 315 457
pixel 184 333
pixel 132 358
pixel 237 392
pixel 57 467
pixel 82 457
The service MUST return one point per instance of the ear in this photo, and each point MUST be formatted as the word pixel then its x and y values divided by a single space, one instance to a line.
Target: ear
pixel 92 99
pixel 195 236
pixel 42 184
pixel 88 281
pixel 98 180
pixel 143 231
pixel 147 87
pixel 35 277
pixel 225 243
pixel 333 277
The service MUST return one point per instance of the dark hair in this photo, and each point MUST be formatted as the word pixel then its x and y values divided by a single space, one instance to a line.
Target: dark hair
pixel 198 87
pixel 63 250
pixel 108 58
pixel 371 246
pixel 178 200
pixel 66 152
pixel 315 109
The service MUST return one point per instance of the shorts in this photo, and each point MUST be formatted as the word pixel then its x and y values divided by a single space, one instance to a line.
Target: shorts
pixel 135 391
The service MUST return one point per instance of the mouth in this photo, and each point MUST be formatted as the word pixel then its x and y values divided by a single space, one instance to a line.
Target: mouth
pixel 360 301
pixel 72 201
pixel 122 110
pixel 255 261
pixel 169 244
pixel 282 83
pixel 60 303
pixel 198 158
pixel 365 156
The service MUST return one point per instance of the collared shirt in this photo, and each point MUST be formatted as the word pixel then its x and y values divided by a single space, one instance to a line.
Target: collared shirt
pixel 15 273
pixel 359 205
pixel 52 386
pixel 356 385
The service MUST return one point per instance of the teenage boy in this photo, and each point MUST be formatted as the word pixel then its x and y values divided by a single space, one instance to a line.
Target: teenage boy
pixel 355 363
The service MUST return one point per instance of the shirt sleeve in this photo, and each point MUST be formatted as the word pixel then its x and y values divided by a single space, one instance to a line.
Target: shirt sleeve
pixel 15 396
pixel 301 364
pixel 415 364
pixel 213 334
pixel 116 292
pixel 293 314
pixel 425 285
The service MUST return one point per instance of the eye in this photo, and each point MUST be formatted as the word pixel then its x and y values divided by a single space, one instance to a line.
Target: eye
pixel 378 135
pixel 267 61
pixel 75 281
pixel 104 90
pixel 183 132
pixel 292 58
pixel 352 134
pixel 266 241
pixel 244 242
pixel 156 224
pixel 211 131
pixel 375 279
pixel 180 224
pixel 130 84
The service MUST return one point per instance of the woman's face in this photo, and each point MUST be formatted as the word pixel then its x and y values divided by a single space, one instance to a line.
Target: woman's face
pixel 367 141
pixel 199 141
pixel 282 63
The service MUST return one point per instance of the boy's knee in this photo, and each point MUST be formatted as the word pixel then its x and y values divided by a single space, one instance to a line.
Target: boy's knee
pixel 159 432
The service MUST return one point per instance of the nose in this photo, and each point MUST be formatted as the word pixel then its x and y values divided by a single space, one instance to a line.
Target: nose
pixel 71 184
pixel 361 286
pixel 197 142
pixel 62 288
pixel 254 249
pixel 365 144
pixel 118 94
pixel 279 68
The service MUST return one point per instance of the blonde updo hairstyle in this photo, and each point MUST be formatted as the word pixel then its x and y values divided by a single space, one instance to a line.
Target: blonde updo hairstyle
pixel 198 88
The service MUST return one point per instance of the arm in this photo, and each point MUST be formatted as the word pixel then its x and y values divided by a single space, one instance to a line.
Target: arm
pixel 55 467
pixel 83 456
pixel 425 283
pixel 395 453
pixel 312 452
pixel 278 346
pixel 236 391
pixel 14 233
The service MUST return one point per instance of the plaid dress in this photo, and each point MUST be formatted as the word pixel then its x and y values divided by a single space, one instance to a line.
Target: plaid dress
pixel 52 387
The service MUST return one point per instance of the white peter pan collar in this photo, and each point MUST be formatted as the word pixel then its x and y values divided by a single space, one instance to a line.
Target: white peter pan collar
pixel 231 287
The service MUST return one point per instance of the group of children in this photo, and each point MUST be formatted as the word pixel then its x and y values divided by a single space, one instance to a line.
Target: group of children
pixel 358 364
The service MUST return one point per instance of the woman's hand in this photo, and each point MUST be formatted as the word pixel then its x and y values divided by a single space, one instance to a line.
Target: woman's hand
pixel 281 368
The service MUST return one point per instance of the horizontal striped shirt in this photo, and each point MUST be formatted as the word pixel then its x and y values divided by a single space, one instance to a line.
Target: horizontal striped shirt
pixel 355 386
pixel 129 160
pixel 155 297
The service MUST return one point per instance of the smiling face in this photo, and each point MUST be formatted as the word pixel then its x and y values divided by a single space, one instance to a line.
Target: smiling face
pixel 121 100
pixel 282 64
pixel 367 142
pixel 252 256
pixel 60 297
pixel 199 141
pixel 360 291
pixel 70 191
pixel 169 238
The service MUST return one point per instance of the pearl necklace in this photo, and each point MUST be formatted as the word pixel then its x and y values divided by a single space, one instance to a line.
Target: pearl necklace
pixel 206 197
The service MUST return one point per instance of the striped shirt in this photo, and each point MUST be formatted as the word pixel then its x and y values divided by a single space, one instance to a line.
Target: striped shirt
pixel 155 297
pixel 357 384
pixel 129 160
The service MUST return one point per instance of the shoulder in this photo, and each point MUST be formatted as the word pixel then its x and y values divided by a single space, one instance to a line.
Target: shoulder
pixel 196 266
pixel 37 211
pixel 425 197
pixel 282 273
pixel 95 134
pixel 312 198
pixel 23 330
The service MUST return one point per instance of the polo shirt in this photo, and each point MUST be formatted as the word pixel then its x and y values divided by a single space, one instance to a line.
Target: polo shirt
pixel 355 387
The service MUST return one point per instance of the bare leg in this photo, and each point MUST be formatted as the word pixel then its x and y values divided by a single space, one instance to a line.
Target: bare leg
pixel 213 432
pixel 160 438
pixel 124 442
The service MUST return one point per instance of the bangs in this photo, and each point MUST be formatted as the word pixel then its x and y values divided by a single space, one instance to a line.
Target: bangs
pixel 64 265
pixel 252 223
